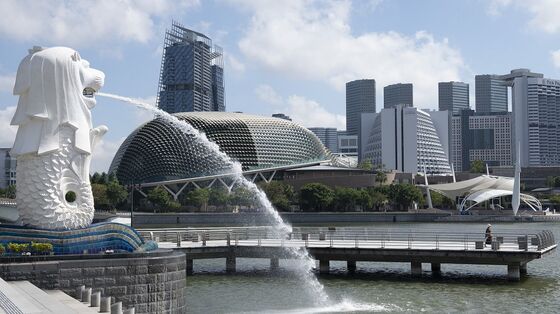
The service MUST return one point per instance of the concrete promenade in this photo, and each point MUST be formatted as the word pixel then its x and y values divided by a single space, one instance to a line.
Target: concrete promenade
pixel 514 251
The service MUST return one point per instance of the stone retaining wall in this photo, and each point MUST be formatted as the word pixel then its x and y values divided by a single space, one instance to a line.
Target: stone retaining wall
pixel 151 282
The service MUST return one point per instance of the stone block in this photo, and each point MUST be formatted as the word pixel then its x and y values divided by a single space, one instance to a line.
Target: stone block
pixel 141 270
pixel 116 291
pixel 70 273
pixel 115 271
pixel 94 271
pixel 152 269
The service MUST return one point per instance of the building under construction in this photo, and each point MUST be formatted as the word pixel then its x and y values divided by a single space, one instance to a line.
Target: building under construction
pixel 192 72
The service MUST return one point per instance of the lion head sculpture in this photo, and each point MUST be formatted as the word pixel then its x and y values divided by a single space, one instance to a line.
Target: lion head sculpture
pixel 55 88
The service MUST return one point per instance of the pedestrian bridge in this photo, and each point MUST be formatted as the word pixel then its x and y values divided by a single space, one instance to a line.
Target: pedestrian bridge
pixel 513 250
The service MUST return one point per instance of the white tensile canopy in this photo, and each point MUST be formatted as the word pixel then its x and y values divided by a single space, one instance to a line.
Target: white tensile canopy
pixel 481 189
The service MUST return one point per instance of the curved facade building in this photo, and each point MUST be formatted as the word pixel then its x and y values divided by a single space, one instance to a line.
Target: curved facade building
pixel 407 139
pixel 158 151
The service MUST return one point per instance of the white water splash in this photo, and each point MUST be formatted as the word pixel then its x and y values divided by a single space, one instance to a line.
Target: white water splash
pixel 281 229
pixel 344 306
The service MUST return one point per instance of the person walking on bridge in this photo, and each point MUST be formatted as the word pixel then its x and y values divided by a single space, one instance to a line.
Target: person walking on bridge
pixel 488 234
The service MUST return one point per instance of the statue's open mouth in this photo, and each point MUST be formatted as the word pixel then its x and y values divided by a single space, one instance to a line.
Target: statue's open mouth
pixel 88 92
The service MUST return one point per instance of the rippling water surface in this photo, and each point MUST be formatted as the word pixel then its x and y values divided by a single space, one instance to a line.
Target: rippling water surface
pixel 382 287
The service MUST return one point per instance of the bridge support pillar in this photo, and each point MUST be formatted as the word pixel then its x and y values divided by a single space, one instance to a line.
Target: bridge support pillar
pixel 274 263
pixel 351 266
pixel 514 273
pixel 230 264
pixel 523 269
pixel 189 267
pixel 324 266
pixel 416 269
pixel 436 268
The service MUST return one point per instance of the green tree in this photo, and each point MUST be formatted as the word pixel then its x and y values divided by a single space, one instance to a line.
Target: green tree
pixel 159 197
pixel 366 165
pixel 478 166
pixel 553 181
pixel 380 177
pixel 218 197
pixel 378 198
pixel 365 200
pixel 96 178
pixel 10 191
pixel 100 196
pixel 345 199
pixel 316 196
pixel 199 198
pixel 403 195
pixel 116 193
pixel 555 199
pixel 440 200
pixel 280 194
pixel 243 197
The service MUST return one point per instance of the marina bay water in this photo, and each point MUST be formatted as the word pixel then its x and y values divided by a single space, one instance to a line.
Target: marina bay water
pixel 304 265
pixel 383 287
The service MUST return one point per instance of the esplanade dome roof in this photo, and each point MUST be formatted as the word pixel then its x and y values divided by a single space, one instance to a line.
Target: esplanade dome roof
pixel 159 151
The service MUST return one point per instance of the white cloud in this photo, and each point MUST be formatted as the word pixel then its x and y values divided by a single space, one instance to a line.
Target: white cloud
pixel 7 83
pixel 267 94
pixel 544 13
pixel 303 111
pixel 233 63
pixel 555 58
pixel 7 131
pixel 310 113
pixel 307 40
pixel 82 22
pixel 103 154
pixel 495 6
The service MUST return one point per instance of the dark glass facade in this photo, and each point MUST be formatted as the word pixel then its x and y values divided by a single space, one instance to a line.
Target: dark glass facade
pixel 158 151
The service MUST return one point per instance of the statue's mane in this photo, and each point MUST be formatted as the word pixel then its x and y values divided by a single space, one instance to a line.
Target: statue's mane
pixel 50 96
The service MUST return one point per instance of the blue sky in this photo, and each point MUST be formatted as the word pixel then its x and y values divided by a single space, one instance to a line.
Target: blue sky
pixel 283 56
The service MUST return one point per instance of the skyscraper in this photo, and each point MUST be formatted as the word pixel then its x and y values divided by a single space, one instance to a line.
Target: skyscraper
pixel 453 96
pixel 481 136
pixel 192 73
pixel 536 117
pixel 360 98
pixel 491 93
pixel 397 94
pixel 328 136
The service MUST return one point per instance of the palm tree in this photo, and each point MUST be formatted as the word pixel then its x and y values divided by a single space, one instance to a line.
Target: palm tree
pixel 380 177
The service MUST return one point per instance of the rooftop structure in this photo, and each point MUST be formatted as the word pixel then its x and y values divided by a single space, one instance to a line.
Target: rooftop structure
pixel 360 98
pixel 490 93
pixel 398 94
pixel 192 72
pixel 453 96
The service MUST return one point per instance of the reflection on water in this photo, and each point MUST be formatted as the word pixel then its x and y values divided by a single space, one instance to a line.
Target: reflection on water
pixel 381 287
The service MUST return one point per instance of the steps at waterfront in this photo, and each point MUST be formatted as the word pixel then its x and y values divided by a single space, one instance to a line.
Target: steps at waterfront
pixel 24 297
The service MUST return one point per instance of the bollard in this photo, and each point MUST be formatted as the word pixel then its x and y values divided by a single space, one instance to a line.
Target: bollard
pixel 116 308
pixel 86 295
pixel 95 299
pixel 105 306
pixel 178 239
pixel 79 291
pixel 129 311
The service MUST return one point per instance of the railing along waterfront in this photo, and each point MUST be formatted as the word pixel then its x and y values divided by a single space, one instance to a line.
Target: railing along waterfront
pixel 353 238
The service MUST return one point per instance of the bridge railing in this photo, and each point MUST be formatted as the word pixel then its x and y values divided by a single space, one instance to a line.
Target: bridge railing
pixel 358 238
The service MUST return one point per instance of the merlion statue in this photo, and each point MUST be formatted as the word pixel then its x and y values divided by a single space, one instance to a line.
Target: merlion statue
pixel 55 138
